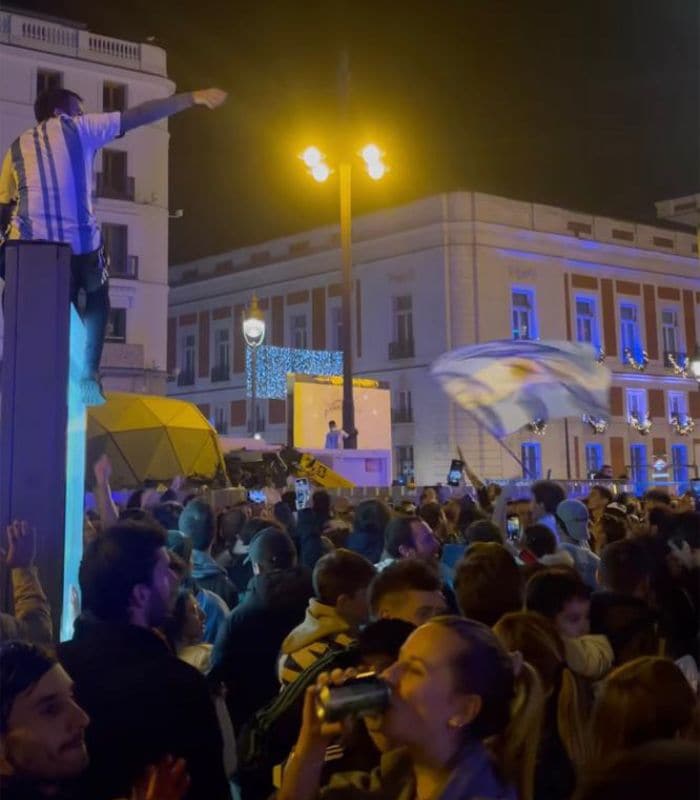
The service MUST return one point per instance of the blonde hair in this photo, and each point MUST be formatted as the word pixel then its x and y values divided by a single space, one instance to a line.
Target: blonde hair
pixel 515 749
pixel 537 639
pixel 645 699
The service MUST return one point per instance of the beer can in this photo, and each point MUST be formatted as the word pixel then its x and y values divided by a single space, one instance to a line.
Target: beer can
pixel 364 694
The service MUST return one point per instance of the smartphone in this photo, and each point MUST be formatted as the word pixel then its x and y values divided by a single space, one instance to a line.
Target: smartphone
pixel 513 527
pixel 454 476
pixel 303 492
pixel 257 496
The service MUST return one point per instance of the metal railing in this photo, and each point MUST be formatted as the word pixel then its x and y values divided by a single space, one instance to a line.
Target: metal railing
pixel 220 373
pixel 186 378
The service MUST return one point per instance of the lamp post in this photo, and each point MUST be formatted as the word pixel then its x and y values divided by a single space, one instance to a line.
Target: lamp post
pixel 253 326
pixel 320 171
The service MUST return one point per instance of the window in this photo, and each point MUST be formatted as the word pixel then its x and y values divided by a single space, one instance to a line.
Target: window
pixel 298 331
pixel 638 464
pixel 48 79
pixel 220 419
pixel 116 241
pixel 113 181
pixel 670 332
pixel 677 405
pixel 637 403
pixel 586 325
pixel 405 467
pixel 629 331
pixel 594 459
pixel 679 463
pixel 220 369
pixel 403 319
pixel 336 321
pixel 113 96
pixel 403 410
pixel 531 456
pixel 186 377
pixel 116 325
pixel 523 314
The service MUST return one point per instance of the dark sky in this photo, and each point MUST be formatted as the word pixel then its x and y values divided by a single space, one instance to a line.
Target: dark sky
pixel 590 104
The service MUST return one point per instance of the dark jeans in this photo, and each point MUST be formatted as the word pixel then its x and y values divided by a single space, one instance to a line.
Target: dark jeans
pixel 89 272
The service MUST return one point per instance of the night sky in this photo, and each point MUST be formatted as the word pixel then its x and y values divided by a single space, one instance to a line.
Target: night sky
pixel 591 105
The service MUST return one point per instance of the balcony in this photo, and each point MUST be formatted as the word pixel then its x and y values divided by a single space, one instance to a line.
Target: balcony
pixel 260 426
pixel 186 378
pixel 401 415
pixel 220 373
pixel 402 349
pixel 126 190
pixel 125 269
pixel 677 356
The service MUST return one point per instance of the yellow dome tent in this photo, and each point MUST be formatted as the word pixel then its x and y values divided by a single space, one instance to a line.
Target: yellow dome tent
pixel 153 438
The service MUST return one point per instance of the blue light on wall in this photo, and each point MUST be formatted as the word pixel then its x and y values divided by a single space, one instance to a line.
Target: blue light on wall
pixel 75 475
pixel 274 363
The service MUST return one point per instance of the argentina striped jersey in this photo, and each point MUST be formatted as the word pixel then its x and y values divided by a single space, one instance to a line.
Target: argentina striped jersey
pixel 48 172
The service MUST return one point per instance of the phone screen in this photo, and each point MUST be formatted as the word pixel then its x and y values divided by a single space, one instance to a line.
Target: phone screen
pixel 513 527
pixel 303 492
pixel 454 476
pixel 256 496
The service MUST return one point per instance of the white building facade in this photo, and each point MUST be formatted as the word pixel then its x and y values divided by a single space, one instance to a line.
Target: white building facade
pixel 449 271
pixel 131 174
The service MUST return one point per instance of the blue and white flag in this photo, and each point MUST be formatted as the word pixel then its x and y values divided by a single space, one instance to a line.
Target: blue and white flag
pixel 506 384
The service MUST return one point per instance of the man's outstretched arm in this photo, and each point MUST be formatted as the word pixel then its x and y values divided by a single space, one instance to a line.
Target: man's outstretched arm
pixel 153 110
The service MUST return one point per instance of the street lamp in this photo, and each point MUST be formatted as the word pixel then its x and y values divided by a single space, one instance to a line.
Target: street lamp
pixel 320 171
pixel 695 363
pixel 253 326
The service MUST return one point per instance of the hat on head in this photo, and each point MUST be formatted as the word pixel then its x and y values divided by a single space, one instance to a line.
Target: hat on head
pixel 615 510
pixel 273 549
pixel 573 516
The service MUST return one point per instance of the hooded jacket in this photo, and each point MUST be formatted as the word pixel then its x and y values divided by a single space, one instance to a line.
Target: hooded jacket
pixel 246 652
pixel 322 628
pixel 210 575
pixel 143 703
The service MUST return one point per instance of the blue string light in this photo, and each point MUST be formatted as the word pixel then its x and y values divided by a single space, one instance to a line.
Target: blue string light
pixel 274 363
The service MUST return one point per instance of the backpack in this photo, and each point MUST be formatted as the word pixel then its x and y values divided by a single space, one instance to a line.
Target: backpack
pixel 269 736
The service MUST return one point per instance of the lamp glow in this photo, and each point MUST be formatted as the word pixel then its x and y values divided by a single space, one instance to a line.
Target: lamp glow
pixel 312 157
pixel 320 172
pixel 695 363
pixel 376 170
pixel 371 153
pixel 372 156
pixel 253 324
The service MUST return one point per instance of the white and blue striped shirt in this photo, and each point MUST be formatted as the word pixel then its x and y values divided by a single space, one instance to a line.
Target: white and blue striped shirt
pixel 48 171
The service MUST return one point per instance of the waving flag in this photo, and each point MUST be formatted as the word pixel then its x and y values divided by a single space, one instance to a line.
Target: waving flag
pixel 506 384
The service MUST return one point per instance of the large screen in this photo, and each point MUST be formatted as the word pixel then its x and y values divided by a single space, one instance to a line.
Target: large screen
pixel 316 400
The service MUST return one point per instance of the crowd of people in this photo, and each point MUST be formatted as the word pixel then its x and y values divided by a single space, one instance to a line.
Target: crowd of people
pixel 536 646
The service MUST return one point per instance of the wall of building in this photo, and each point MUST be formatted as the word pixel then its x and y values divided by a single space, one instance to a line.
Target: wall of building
pixel 459 257
pixel 86 61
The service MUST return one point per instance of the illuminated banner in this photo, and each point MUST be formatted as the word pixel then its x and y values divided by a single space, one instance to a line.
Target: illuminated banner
pixel 275 363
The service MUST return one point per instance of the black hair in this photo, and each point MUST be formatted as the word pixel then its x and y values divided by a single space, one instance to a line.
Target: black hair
pixel 51 99
pixel 549 494
pixel 199 523
pixel 124 556
pixel 22 665
pixel 167 514
pixel 372 516
pixel 321 503
pixel 331 422
pixel 384 637
pixel 404 575
pixel 549 590
pixel 659 496
pixel 488 583
pixel 253 526
pixel 624 565
pixel 603 491
pixel 398 534
pixel 540 540
pixel 431 513
pixel 340 572
pixel 483 530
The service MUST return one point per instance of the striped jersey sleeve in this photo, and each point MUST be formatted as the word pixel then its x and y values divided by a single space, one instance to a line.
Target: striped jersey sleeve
pixel 295 663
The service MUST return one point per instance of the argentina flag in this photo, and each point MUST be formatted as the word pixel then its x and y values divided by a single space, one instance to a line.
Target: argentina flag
pixel 506 384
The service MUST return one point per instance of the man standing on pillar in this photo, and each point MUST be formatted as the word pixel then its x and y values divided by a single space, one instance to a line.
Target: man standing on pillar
pixel 46 195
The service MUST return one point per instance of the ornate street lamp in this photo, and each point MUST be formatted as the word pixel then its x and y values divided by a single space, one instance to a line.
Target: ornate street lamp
pixel 253 326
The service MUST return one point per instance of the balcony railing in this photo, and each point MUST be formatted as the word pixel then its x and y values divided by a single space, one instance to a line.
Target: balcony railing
pixel 128 269
pixel 260 427
pixel 676 355
pixel 186 378
pixel 125 191
pixel 402 349
pixel 220 373
pixel 399 415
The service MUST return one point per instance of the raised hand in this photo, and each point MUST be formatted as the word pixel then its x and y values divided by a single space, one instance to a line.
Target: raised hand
pixel 21 545
pixel 210 98
pixel 166 780
pixel 103 470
